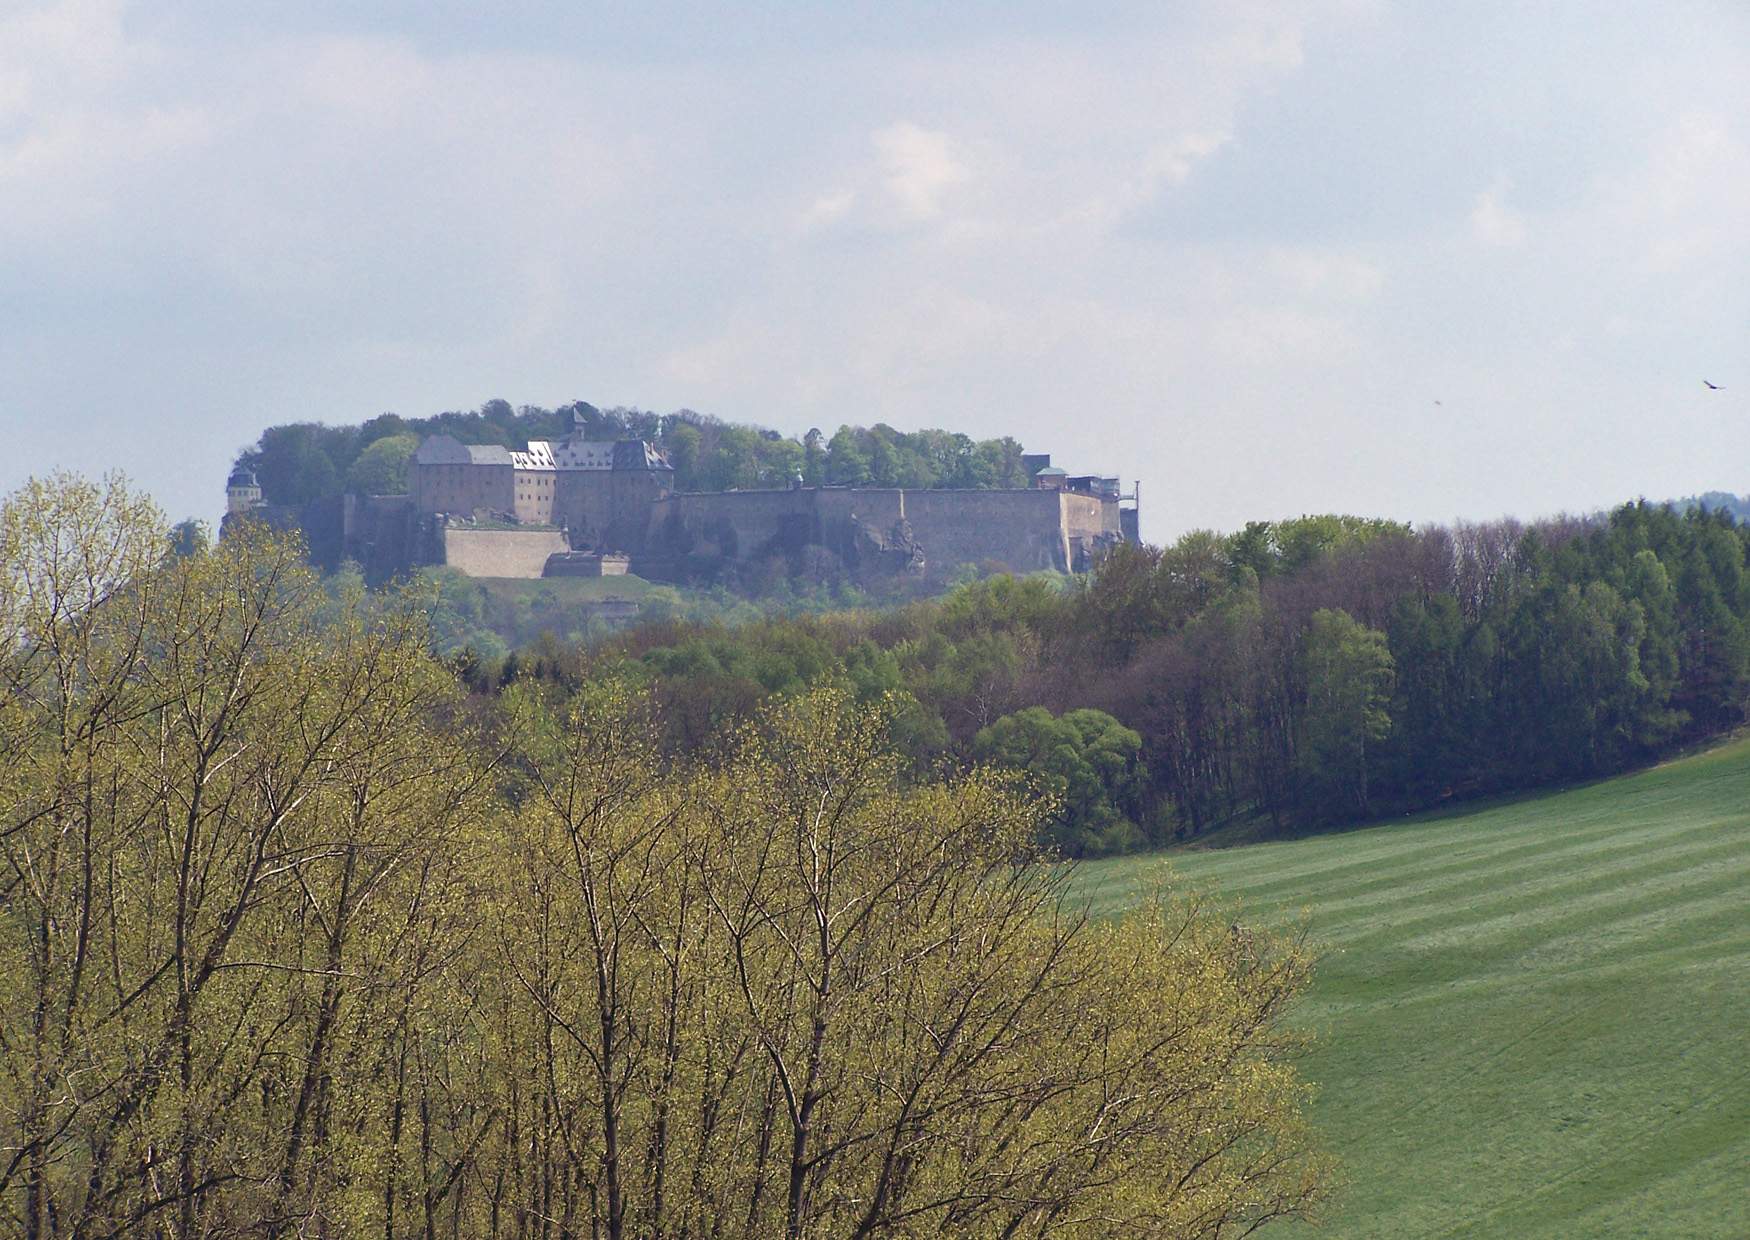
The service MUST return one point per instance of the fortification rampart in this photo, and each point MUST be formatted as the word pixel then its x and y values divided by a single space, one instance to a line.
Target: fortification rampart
pixel 876 508
pixel 501 553
pixel 1019 530
pixel 1023 530
pixel 733 524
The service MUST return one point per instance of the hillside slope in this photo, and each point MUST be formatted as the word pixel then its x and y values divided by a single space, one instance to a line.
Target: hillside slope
pixel 1532 1019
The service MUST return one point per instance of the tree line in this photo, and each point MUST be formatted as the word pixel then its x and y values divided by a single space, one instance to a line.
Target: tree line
pixel 1292 674
pixel 300 462
pixel 299 937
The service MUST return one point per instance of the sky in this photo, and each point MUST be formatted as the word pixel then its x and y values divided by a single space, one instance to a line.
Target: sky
pixel 1420 261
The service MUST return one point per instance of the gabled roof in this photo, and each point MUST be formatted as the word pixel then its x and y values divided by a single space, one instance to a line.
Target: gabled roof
pixel 638 454
pixel 583 454
pixel 543 455
pixel 448 450
pixel 538 456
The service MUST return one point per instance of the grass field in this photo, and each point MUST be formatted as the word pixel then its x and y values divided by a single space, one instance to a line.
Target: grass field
pixel 1532 1020
pixel 567 590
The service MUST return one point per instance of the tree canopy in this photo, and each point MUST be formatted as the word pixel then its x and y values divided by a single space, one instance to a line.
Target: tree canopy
pixel 1292 674
pixel 299 462
pixel 297 939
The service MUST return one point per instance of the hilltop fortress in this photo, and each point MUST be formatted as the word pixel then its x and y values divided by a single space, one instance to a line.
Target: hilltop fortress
pixel 574 506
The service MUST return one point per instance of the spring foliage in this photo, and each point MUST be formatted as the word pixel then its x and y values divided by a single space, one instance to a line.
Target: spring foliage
pixel 1292 674
pixel 295 940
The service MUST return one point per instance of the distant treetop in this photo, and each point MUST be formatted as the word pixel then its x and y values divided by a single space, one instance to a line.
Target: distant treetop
pixel 1717 501
pixel 302 461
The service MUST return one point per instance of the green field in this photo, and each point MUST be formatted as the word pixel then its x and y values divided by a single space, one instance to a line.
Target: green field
pixel 566 590
pixel 1532 1020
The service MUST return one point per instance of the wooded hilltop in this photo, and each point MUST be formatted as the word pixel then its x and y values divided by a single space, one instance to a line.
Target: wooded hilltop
pixel 299 462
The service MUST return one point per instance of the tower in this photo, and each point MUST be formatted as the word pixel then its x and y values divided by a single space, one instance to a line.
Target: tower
pixel 242 491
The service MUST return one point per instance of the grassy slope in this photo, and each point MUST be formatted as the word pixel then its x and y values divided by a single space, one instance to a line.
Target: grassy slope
pixel 1533 1020
pixel 566 589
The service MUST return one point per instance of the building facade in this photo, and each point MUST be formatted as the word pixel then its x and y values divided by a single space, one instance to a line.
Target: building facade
pixel 599 494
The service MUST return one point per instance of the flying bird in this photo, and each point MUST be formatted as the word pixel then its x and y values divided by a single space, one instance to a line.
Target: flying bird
pixel 1712 387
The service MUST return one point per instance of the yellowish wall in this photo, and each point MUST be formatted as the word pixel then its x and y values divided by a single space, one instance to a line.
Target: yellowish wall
pixel 501 553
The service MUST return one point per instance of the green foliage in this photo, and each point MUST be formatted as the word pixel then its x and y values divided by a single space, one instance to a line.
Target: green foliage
pixel 381 468
pixel 190 537
pixel 301 462
pixel 1301 674
pixel 1286 547
pixel 847 461
pixel 306 461
pixel 1348 670
pixel 1086 762
pixel 295 940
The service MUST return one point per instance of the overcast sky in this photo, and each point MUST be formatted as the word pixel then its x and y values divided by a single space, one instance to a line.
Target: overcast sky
pixel 1419 260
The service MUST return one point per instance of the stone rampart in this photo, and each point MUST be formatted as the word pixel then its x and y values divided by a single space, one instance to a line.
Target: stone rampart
pixel 875 507
pixel 737 524
pixel 501 553
pixel 1024 531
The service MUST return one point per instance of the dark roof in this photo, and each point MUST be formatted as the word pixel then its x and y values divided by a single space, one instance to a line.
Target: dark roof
pixel 638 454
pixel 241 478
pixel 448 450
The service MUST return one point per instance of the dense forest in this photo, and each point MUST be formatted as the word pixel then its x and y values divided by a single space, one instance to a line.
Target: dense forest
pixel 300 938
pixel 304 461
pixel 1290 675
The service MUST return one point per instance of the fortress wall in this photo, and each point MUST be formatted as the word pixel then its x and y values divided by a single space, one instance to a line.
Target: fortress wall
pixel 876 507
pixel 381 534
pixel 1026 530
pixel 758 517
pixel 1085 516
pixel 501 553
pixel 1021 529
pixel 631 493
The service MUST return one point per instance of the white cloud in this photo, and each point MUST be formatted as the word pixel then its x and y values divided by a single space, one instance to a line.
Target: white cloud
pixel 377 82
pixel 918 168
pixel 1173 161
pixel 330 217
pixel 828 209
pixel 1692 203
pixel 58 51
pixel 907 180
pixel 1494 223
pixel 78 137
pixel 1328 275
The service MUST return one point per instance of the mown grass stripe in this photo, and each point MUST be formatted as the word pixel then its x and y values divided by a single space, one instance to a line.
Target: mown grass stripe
pixel 1531 901
pixel 1530 1016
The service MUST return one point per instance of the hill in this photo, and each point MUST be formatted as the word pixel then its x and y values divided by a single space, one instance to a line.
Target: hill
pixel 1530 1018
pixel 302 462
pixel 1717 501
